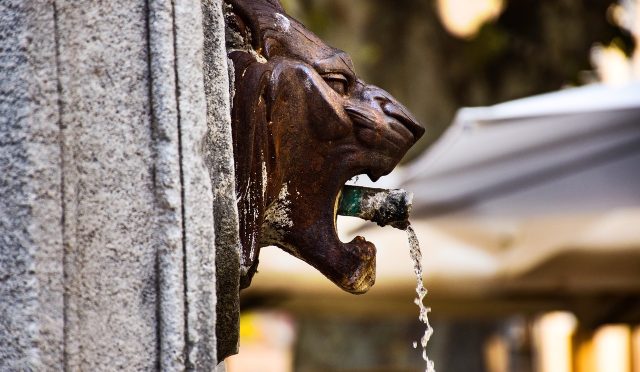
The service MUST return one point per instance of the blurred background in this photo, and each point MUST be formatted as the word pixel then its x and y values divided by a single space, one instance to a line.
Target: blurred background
pixel 527 196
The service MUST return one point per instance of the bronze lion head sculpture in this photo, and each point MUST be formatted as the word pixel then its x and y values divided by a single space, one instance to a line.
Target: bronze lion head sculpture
pixel 303 125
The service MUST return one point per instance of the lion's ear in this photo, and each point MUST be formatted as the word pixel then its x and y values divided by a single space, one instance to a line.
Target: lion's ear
pixel 238 32
pixel 249 17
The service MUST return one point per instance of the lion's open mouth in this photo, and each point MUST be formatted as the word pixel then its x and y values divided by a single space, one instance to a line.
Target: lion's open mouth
pixel 352 265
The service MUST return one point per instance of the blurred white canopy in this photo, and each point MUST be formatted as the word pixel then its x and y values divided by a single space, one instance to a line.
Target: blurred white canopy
pixel 537 194
pixel 572 151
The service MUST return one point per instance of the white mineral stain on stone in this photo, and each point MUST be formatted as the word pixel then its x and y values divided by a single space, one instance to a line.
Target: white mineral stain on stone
pixel 278 211
pixel 259 57
pixel 264 179
pixel 276 218
pixel 282 22
pixel 373 203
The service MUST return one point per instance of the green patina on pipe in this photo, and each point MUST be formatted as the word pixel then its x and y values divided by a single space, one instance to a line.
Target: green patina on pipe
pixel 384 207
pixel 350 200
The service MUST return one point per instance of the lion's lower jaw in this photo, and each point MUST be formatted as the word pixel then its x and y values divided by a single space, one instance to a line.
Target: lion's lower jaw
pixel 362 278
pixel 351 266
pixel 357 278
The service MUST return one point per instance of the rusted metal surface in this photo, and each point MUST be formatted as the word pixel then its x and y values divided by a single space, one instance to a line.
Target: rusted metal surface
pixel 303 125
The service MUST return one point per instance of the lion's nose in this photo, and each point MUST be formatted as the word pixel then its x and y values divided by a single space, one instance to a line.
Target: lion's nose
pixel 394 109
pixel 403 116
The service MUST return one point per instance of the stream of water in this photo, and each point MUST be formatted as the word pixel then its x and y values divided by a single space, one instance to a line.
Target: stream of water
pixel 421 292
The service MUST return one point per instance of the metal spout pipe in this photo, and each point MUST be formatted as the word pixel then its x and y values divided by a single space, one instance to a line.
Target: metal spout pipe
pixel 384 207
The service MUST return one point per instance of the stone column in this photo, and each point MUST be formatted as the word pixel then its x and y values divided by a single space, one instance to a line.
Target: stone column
pixel 108 200
pixel 31 213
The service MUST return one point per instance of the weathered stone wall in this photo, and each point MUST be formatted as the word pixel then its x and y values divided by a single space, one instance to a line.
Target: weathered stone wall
pixel 31 254
pixel 107 255
pixel 109 206
pixel 219 156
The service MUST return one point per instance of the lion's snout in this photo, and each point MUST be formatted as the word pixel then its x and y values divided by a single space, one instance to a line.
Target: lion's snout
pixel 395 111
pixel 398 112
pixel 381 122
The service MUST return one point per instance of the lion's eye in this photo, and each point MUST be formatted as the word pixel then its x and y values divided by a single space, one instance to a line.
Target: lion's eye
pixel 337 82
